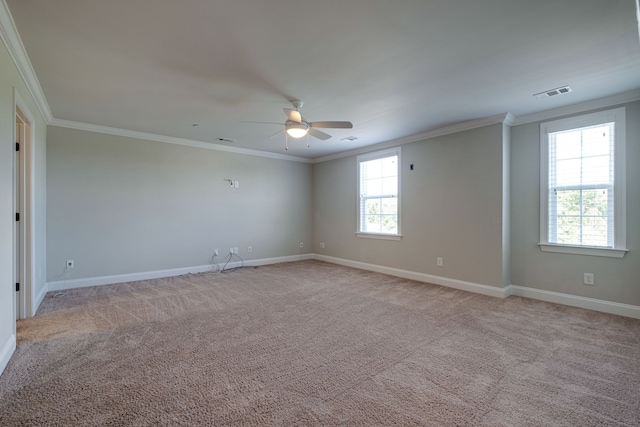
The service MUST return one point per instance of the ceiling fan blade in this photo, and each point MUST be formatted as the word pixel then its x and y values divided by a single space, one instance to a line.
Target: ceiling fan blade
pixel 277 133
pixel 293 115
pixel 318 134
pixel 334 125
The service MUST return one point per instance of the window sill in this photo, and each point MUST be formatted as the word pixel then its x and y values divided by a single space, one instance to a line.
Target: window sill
pixel 379 236
pixel 583 250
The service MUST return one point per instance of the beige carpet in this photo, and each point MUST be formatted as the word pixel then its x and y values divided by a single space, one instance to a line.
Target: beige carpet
pixel 312 343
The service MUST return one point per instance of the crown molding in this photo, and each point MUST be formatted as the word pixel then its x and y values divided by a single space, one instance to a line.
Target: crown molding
pixel 11 39
pixel 172 140
pixel 505 118
pixel 606 102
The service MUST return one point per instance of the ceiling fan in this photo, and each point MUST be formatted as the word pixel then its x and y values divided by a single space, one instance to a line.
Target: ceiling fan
pixel 297 126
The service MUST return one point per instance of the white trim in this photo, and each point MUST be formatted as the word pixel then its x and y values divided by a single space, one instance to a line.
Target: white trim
pixel 7 351
pixel 38 300
pixel 172 140
pixel 11 39
pixel 27 300
pixel 609 101
pixel 583 250
pixel 638 16
pixel 505 118
pixel 618 117
pixel 375 155
pixel 477 288
pixel 379 236
pixel 146 275
pixel 610 307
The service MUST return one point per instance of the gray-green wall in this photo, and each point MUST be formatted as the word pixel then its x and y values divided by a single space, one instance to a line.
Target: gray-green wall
pixel 616 280
pixel 474 199
pixel 452 207
pixel 120 205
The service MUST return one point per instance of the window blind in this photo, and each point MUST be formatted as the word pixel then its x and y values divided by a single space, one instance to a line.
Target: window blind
pixel 581 182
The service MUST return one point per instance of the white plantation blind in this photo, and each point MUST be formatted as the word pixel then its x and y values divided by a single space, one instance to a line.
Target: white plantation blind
pixel 581 180
pixel 378 184
pixel 582 184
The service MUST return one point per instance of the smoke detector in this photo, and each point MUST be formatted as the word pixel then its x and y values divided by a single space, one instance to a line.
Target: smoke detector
pixel 553 92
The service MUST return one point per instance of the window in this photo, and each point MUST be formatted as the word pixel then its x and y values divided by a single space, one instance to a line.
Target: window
pixel 582 184
pixel 378 194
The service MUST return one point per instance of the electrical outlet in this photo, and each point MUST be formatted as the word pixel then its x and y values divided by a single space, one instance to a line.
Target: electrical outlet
pixel 321 245
pixel 237 184
pixel 235 250
pixel 215 252
pixel 230 250
pixel 439 261
pixel 589 279
pixel 69 263
pixel 249 249
pixel 301 245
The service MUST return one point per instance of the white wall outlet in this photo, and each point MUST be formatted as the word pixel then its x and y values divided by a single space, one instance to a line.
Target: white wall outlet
pixel 237 184
pixel 230 250
pixel 439 261
pixel 69 263
pixel 589 279
pixel 249 249
pixel 301 245
pixel 215 252
pixel 235 250
pixel 321 245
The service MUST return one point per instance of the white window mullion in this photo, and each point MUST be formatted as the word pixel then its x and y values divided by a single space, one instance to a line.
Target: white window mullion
pixel 378 183
pixel 580 161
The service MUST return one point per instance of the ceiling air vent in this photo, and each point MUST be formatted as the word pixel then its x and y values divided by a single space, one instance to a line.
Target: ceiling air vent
pixel 349 138
pixel 553 92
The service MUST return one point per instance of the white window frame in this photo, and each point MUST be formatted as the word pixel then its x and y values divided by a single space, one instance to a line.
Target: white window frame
pixel 396 151
pixel 617 116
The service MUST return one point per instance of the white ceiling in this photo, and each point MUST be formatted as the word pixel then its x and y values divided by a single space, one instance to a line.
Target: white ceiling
pixel 393 68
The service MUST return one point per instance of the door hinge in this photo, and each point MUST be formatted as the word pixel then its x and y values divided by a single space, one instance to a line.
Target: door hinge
pixel 17 146
pixel 17 287
pixel 17 216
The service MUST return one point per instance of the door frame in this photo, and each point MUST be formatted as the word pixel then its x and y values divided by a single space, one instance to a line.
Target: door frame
pixel 24 198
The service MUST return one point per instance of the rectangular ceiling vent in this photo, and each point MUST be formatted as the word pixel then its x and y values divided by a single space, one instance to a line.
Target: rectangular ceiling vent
pixel 553 92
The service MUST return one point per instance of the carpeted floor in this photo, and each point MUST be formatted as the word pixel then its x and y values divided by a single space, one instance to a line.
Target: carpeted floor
pixel 311 343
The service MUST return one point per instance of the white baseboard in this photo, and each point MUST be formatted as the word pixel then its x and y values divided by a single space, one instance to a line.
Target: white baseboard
pixel 477 288
pixel 39 298
pixel 146 275
pixel 7 351
pixel 610 307
pixel 266 261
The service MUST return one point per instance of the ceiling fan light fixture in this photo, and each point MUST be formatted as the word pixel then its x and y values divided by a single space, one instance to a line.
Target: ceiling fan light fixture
pixel 297 130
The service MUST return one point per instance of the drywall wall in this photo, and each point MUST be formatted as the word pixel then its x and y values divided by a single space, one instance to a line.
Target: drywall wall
pixel 120 205
pixel 616 280
pixel 506 205
pixel 452 207
pixel 10 80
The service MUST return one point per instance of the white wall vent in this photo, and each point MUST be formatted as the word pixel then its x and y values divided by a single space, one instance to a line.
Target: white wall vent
pixel 553 92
